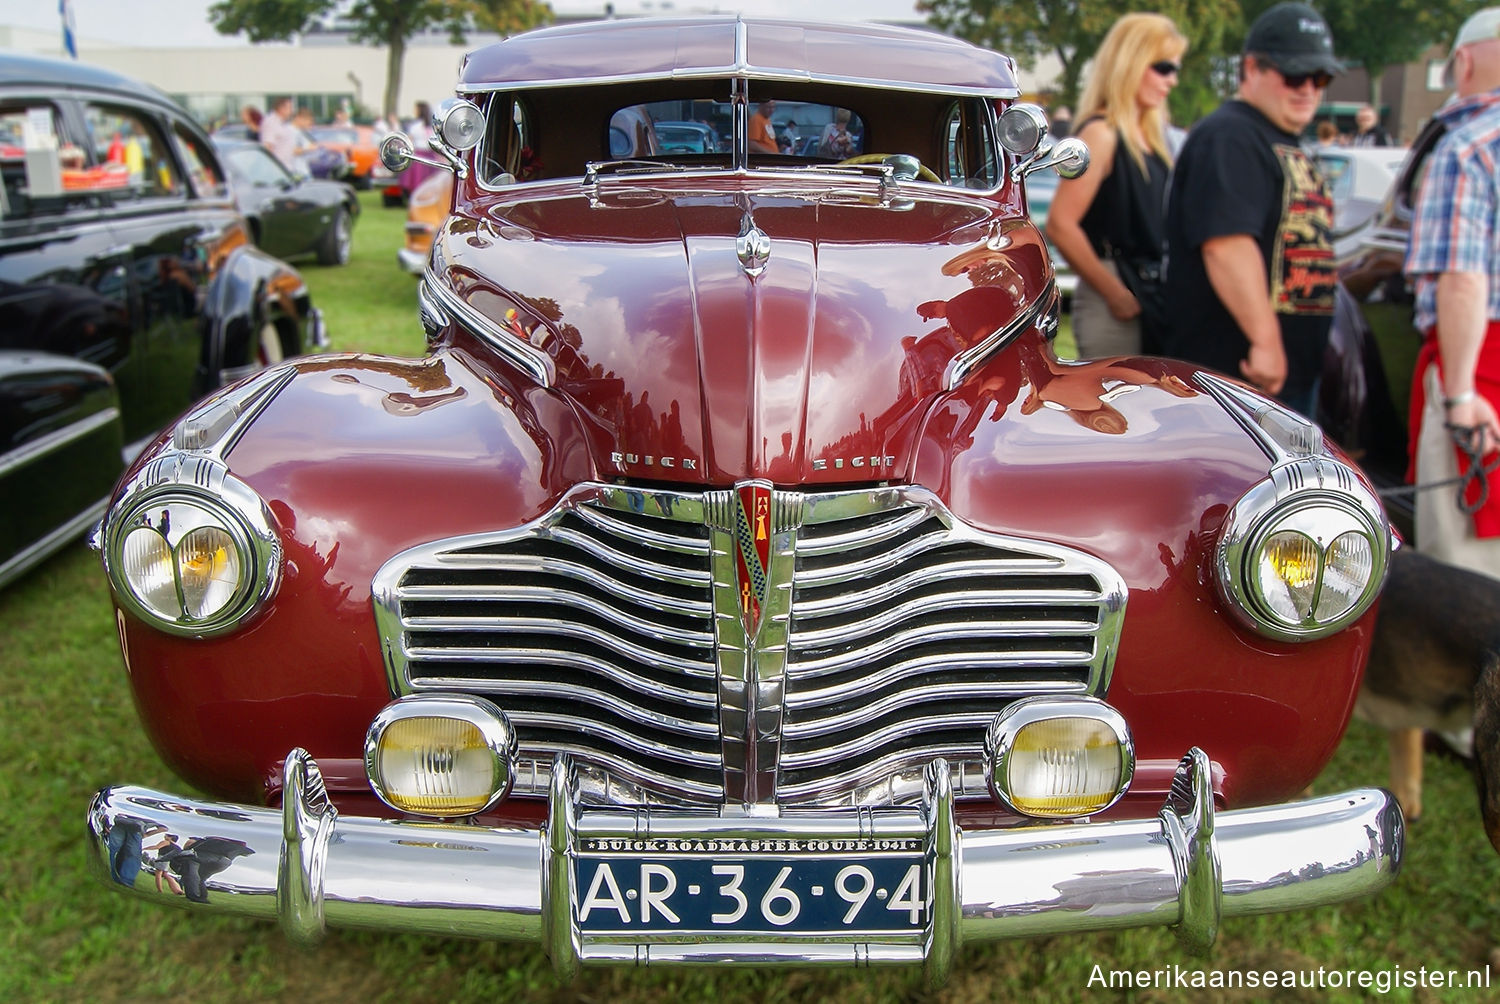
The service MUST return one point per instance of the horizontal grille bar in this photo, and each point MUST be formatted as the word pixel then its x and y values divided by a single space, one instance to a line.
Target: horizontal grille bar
pixel 592 628
pixel 909 633
pixel 612 630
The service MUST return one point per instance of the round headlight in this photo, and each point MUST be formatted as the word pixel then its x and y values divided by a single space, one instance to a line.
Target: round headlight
pixel 1304 553
pixel 441 755
pixel 147 569
pixel 460 123
pixel 193 554
pixel 1022 128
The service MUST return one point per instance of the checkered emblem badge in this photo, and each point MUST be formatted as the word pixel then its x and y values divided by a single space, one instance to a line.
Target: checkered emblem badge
pixel 753 555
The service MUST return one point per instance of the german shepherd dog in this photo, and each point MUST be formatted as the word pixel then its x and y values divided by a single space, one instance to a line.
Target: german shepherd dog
pixel 1435 664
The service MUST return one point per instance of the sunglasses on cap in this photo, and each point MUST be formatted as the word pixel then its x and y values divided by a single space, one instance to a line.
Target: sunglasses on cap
pixel 1165 68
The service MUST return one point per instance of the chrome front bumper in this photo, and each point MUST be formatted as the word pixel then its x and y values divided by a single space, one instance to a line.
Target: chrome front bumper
pixel 310 867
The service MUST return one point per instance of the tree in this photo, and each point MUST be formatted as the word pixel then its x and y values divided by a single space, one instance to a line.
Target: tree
pixel 1072 30
pixel 1364 32
pixel 379 22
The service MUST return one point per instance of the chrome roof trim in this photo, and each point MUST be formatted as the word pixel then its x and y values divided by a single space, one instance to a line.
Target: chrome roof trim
pixel 760 75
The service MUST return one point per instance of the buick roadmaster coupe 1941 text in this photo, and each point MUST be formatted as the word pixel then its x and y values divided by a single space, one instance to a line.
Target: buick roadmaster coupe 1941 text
pixel 741 577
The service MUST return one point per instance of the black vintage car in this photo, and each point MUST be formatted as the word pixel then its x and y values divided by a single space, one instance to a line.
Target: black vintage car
pixel 289 216
pixel 129 288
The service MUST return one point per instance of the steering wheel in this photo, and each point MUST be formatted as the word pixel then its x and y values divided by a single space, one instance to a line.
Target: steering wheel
pixel 923 171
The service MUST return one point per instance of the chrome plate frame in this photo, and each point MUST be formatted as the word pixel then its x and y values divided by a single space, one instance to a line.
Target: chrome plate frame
pixel 915 845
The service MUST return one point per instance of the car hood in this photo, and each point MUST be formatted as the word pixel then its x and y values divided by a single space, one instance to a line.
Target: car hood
pixel 793 335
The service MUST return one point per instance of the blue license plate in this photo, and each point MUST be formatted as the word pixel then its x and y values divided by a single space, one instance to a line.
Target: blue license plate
pixel 811 893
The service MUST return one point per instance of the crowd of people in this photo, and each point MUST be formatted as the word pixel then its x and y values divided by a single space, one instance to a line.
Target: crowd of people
pixel 1234 232
pixel 280 129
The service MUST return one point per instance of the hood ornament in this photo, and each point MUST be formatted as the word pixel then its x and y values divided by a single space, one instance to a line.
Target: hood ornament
pixel 752 247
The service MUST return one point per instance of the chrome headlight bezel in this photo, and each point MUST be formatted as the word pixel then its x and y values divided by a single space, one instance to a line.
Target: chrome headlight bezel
pixel 1321 499
pixel 172 497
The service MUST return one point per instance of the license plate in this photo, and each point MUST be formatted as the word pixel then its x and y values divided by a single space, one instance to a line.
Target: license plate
pixel 810 893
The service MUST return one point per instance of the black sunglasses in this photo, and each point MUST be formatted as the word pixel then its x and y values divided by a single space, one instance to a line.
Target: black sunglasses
pixel 1165 67
pixel 1320 79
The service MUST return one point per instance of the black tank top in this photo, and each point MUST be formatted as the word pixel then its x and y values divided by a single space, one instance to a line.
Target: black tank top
pixel 1129 211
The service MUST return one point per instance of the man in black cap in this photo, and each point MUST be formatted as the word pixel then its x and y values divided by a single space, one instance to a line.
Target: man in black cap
pixel 1250 274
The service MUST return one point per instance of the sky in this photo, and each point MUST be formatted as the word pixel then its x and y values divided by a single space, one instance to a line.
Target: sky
pixel 185 22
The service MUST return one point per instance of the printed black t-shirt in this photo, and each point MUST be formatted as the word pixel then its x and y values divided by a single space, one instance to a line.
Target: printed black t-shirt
pixel 1239 174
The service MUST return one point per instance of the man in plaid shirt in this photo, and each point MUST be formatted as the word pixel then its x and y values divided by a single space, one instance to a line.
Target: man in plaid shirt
pixel 1455 261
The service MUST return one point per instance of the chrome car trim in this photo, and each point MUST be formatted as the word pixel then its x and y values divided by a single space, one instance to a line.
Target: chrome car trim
pixel 1289 489
pixel 1001 739
pixel 1041 312
pixel 499 736
pixel 200 480
pixel 634 601
pixel 533 362
pixel 759 76
pixel 214 427
pixel 38 550
pixel 1297 437
pixel 313 867
pixel 57 439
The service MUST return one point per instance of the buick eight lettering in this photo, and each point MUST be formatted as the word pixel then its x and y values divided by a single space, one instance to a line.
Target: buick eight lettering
pixel 741 577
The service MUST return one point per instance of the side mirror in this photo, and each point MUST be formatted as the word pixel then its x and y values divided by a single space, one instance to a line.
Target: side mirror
pixel 396 152
pixel 1069 156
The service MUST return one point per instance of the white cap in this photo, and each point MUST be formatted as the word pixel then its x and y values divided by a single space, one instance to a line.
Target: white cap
pixel 1480 27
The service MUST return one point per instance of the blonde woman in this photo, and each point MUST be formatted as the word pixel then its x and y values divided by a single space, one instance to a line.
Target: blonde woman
pixel 1108 223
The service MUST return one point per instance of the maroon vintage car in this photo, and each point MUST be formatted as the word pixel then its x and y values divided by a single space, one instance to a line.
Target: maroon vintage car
pixel 741 577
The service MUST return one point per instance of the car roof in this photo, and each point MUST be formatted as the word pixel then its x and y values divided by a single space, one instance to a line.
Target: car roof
pixel 604 52
pixel 23 69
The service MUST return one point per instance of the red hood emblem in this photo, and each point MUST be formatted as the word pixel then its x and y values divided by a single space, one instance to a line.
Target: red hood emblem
pixel 752 533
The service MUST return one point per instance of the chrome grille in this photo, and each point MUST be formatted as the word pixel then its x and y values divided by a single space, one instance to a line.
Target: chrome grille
pixel 610 629
pixel 910 632
pixel 592 628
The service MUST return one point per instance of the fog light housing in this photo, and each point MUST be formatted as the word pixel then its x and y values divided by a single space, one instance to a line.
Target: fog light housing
pixel 1059 757
pixel 443 755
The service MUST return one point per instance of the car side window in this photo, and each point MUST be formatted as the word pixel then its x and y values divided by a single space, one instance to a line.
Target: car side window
pixel 40 169
pixel 127 137
pixel 202 166
pixel 969 155
pixel 257 167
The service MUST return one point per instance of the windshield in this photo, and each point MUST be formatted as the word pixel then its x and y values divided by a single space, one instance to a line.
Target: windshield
pixel 547 133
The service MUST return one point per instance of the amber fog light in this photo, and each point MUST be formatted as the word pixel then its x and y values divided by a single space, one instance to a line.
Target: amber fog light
pixel 441 755
pixel 1059 757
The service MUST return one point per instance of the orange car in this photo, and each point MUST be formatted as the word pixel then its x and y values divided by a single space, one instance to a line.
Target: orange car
pixel 357 144
pixel 425 212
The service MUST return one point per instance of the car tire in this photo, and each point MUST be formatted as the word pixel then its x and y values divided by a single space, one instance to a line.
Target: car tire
pixel 333 249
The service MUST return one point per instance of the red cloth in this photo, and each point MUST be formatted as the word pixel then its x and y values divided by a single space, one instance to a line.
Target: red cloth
pixel 1487 383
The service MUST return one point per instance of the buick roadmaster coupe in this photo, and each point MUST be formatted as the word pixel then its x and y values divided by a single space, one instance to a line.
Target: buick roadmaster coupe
pixel 741 577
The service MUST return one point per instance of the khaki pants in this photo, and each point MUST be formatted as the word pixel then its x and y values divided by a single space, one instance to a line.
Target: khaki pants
pixel 1443 530
pixel 1097 331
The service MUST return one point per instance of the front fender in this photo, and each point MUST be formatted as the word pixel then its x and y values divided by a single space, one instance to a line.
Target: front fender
pixel 1128 460
pixel 357 458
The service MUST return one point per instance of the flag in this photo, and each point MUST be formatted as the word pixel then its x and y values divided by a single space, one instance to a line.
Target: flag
pixel 65 11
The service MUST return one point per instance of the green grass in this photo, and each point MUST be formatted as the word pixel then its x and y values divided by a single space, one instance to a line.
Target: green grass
pixel 68 727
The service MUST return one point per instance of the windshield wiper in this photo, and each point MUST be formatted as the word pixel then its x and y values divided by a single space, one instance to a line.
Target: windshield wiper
pixel 594 168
